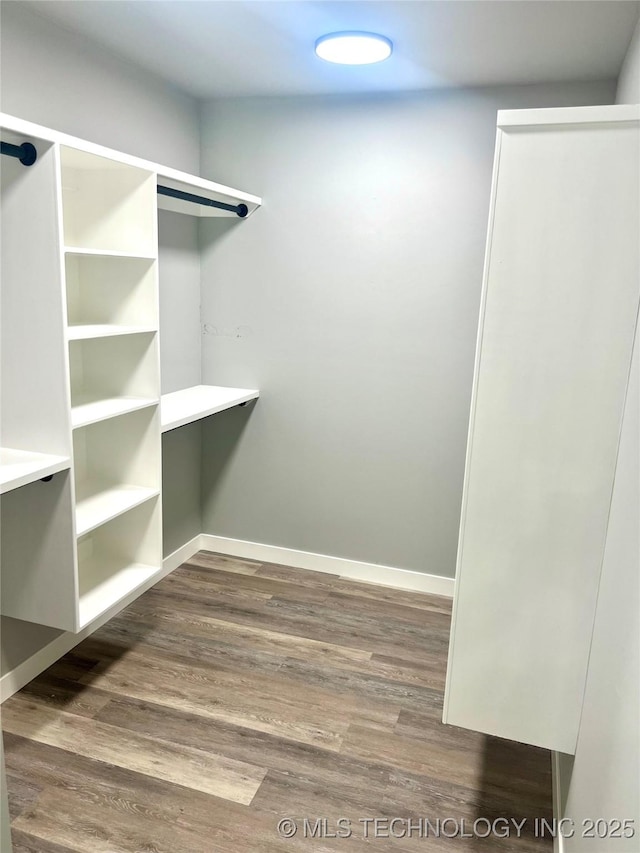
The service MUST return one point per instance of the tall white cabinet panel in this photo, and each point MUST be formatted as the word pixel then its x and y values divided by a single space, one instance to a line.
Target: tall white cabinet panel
pixel 38 572
pixel 558 317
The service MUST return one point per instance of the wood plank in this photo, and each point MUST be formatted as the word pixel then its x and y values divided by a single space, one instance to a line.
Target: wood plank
pixel 232 646
pixel 276 753
pixel 269 703
pixel 194 586
pixel 68 696
pixel 213 579
pixel 356 589
pixel 193 768
pixel 23 842
pixel 104 824
pixel 313 620
pixel 446 762
pixel 134 811
pixel 218 633
pixel 206 559
pixel 22 793
pixel 244 701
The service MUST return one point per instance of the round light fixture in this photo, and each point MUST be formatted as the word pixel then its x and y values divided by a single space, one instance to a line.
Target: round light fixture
pixel 353 48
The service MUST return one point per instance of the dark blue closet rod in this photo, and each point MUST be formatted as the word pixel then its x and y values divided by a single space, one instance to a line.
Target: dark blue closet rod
pixel 26 152
pixel 240 209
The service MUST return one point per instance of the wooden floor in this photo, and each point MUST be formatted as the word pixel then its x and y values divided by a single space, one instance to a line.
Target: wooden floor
pixel 235 694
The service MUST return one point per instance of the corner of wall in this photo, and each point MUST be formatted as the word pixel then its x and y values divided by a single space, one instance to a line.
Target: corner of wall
pixel 628 91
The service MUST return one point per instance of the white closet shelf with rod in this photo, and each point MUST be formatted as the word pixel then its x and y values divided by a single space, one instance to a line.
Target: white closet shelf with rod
pixel 180 192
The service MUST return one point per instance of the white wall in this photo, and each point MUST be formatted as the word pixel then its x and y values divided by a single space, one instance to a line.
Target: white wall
pixel 56 78
pixel 60 80
pixel 629 80
pixel 351 300
pixel 602 779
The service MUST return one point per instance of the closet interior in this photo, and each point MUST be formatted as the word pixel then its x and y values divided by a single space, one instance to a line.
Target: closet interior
pixel 84 416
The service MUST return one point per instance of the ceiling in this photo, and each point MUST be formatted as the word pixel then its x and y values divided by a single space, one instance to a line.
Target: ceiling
pixel 223 48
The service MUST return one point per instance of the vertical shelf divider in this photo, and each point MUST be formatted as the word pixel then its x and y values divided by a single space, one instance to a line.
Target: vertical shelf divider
pixel 109 258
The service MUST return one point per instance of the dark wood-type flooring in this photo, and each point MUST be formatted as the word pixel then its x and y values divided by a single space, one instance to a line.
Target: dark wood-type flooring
pixel 235 694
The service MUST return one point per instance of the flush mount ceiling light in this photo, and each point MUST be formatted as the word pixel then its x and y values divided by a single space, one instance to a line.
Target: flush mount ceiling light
pixel 353 48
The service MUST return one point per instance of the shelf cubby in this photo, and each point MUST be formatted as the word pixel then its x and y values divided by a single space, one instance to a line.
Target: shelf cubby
pixel 112 375
pixel 108 205
pixel 110 292
pixel 116 467
pixel 118 559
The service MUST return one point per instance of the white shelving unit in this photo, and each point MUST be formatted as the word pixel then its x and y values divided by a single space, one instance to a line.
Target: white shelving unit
pixel 200 401
pixel 81 374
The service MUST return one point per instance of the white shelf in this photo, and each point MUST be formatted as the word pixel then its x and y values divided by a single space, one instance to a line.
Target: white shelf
pixel 200 401
pixel 86 331
pixel 106 253
pixel 95 505
pixel 20 467
pixel 105 582
pixel 91 411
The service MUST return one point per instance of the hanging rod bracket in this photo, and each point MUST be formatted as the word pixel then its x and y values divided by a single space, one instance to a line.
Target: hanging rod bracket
pixel 240 209
pixel 25 153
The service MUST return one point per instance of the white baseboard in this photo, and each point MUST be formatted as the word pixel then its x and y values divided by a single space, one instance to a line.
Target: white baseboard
pixel 181 555
pixel 352 569
pixel 15 679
